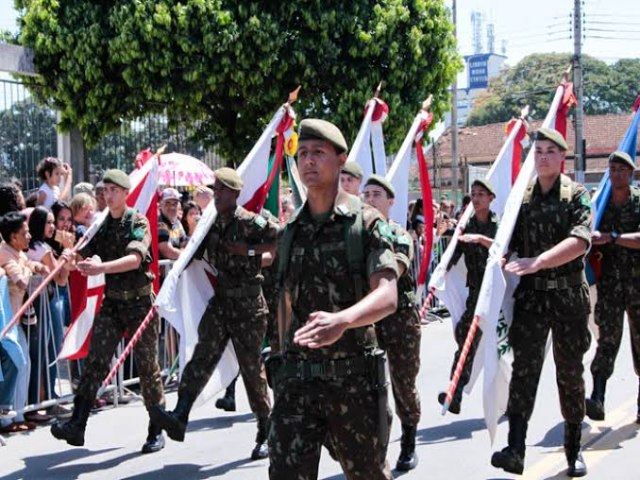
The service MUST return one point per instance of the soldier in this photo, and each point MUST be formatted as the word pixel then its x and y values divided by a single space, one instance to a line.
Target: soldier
pixel 474 245
pixel 121 249
pixel 327 376
pixel 238 311
pixel 618 241
pixel 351 178
pixel 399 334
pixel 551 236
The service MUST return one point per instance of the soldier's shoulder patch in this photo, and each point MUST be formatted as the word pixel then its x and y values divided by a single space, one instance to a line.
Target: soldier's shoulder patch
pixel 403 240
pixel 137 233
pixel 260 221
pixel 585 200
pixel 385 231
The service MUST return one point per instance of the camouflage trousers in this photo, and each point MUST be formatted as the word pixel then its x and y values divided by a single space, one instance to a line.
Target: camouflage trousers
pixel 528 337
pixel 244 323
pixel 615 297
pixel 115 319
pixel 343 411
pixel 461 331
pixel 399 335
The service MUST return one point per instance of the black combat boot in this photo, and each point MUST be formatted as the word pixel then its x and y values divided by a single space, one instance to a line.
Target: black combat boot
pixel 73 430
pixel 261 450
pixel 228 402
pixel 175 423
pixel 595 404
pixel 572 435
pixel 155 439
pixel 408 459
pixel 511 458
pixel 456 402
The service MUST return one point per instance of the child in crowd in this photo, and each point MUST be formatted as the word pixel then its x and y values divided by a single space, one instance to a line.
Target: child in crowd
pixel 51 170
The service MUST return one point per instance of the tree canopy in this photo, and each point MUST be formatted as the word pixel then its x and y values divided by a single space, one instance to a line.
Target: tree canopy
pixel 222 66
pixel 607 88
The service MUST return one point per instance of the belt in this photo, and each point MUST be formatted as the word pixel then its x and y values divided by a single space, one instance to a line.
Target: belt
pixel 621 274
pixel 127 295
pixel 324 369
pixel 239 292
pixel 559 283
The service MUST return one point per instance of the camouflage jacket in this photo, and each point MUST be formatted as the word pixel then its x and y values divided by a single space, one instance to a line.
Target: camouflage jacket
pixel 317 276
pixel 618 261
pixel 118 237
pixel 403 248
pixel 475 255
pixel 237 270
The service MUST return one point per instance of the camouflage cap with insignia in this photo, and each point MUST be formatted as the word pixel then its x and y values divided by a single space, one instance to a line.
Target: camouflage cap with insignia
pixel 382 182
pixel 623 158
pixel 552 135
pixel 317 129
pixel 83 187
pixel 229 178
pixel 117 177
pixel 353 169
pixel 486 184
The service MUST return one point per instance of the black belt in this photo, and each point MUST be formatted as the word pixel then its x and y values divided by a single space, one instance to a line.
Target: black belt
pixel 559 283
pixel 239 292
pixel 622 274
pixel 324 369
pixel 127 295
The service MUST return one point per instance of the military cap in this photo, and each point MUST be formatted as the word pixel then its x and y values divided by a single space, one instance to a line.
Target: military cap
pixel 353 169
pixel 229 178
pixel 117 177
pixel 83 187
pixel 486 184
pixel 553 136
pixel 382 182
pixel 622 157
pixel 317 129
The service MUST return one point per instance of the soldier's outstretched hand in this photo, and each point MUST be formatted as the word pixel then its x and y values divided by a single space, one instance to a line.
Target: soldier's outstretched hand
pixel 523 266
pixel 322 328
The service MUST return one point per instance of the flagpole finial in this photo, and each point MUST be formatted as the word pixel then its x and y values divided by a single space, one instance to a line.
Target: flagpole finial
pixel 524 113
pixel 378 88
pixel 293 96
pixel 161 150
pixel 426 105
pixel 565 75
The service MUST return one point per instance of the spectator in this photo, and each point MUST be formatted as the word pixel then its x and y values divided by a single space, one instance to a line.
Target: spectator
pixel 83 208
pixel 83 187
pixel 288 208
pixel 171 236
pixel 11 198
pixel 99 194
pixel 204 195
pixel 191 215
pixel 8 365
pixel 51 170
pixel 466 200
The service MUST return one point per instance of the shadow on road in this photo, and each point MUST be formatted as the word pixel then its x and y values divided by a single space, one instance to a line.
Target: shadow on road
pixel 46 466
pixel 219 423
pixel 459 430
pixel 191 471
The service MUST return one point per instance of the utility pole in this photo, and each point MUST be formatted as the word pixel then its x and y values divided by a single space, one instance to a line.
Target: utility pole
pixel 579 158
pixel 454 121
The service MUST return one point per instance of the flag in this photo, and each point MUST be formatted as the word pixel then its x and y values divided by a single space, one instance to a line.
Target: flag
pixel 298 189
pixel 87 292
pixel 189 286
pixel 495 301
pixel 368 147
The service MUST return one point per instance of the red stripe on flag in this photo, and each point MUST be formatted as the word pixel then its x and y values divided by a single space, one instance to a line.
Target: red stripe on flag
pixel 427 202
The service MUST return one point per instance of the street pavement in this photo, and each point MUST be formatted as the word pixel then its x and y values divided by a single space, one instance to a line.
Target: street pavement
pixel 218 444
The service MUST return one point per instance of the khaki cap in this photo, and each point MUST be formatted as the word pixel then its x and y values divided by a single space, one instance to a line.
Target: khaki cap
pixel 317 129
pixel 553 136
pixel 486 184
pixel 622 157
pixel 117 177
pixel 229 178
pixel 353 169
pixel 83 187
pixel 382 182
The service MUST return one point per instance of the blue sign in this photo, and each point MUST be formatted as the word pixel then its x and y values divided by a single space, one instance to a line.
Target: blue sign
pixel 478 68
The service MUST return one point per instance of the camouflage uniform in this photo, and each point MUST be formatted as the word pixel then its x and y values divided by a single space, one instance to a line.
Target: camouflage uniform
pixel 618 287
pixel 399 334
pixel 475 259
pixel 328 392
pixel 237 312
pixel 128 298
pixel 556 299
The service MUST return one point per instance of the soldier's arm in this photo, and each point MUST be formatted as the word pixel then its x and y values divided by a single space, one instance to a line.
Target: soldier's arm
pixel 403 248
pixel 629 240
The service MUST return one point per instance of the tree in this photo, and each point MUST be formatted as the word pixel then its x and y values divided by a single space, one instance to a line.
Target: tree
pixel 221 66
pixel 535 77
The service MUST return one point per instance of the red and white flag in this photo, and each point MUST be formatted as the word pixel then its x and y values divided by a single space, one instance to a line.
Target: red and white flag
pixel 368 147
pixel 189 286
pixel 87 292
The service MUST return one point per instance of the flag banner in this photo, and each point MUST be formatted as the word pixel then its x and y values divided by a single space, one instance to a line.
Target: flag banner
pixel 184 294
pixel 298 189
pixel 87 292
pixel 368 147
pixel 495 301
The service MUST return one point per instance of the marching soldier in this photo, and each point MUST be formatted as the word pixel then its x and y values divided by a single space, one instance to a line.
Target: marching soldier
pixel 121 249
pixel 399 334
pixel 351 178
pixel 474 244
pixel 551 236
pixel 337 277
pixel 238 311
pixel 618 241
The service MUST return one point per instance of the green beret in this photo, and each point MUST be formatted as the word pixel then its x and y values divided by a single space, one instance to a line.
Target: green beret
pixel 353 169
pixel 553 136
pixel 117 177
pixel 486 184
pixel 382 182
pixel 229 178
pixel 622 157
pixel 316 129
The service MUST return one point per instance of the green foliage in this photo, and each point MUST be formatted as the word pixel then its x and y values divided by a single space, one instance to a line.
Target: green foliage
pixel 221 66
pixel 533 79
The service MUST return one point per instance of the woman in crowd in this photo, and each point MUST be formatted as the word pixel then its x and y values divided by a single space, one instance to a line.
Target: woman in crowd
pixel 190 216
